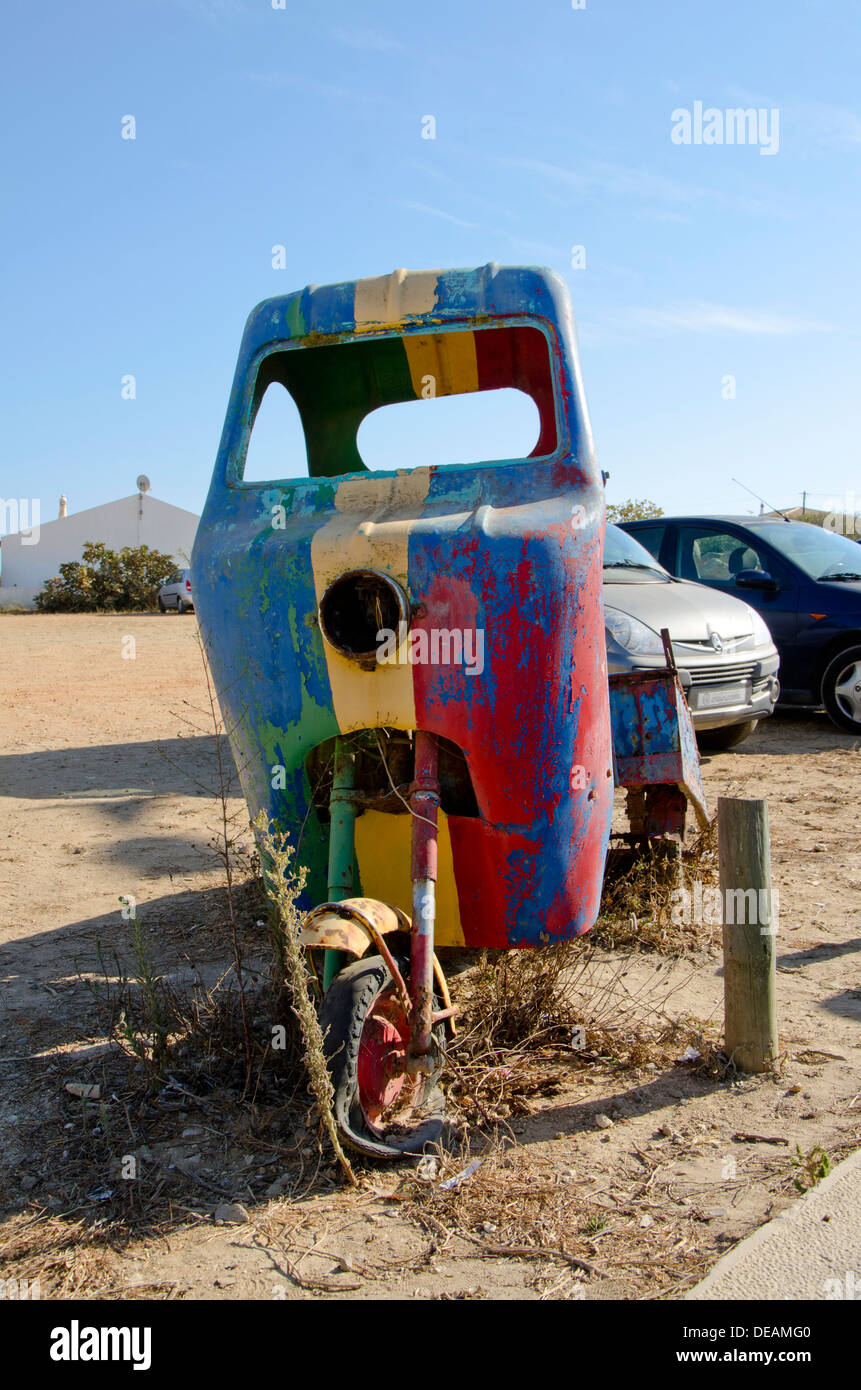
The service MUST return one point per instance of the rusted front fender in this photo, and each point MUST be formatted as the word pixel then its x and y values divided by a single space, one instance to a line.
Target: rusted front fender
pixel 351 925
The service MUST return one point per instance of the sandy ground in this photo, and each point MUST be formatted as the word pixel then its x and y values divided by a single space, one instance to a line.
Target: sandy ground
pixel 107 736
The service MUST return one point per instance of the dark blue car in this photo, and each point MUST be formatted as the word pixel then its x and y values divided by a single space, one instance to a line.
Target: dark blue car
pixel 804 580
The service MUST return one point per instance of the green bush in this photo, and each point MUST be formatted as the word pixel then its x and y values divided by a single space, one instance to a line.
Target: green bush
pixel 636 509
pixel 107 580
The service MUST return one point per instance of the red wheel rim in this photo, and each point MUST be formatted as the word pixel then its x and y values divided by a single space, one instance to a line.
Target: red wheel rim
pixel 382 1054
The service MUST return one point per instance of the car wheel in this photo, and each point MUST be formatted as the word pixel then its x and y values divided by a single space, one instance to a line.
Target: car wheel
pixel 162 606
pixel 180 606
pixel 841 689
pixel 730 736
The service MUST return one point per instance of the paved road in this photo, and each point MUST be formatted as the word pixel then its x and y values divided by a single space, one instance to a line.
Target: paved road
pixel 810 1251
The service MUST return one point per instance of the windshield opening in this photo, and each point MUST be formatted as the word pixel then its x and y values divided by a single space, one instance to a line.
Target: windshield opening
pixel 335 386
pixel 821 554
pixel 621 551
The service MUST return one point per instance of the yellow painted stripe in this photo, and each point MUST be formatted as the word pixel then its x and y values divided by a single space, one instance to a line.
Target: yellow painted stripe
pixel 383 852
pixel 370 530
pixel 442 364
pixel 388 299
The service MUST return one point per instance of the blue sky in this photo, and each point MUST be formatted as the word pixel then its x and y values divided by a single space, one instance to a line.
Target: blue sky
pixel 302 126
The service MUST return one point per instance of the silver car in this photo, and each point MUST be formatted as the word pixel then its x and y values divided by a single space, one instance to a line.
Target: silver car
pixel 726 658
pixel 176 593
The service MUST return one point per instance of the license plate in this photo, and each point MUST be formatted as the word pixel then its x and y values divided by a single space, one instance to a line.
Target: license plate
pixel 716 697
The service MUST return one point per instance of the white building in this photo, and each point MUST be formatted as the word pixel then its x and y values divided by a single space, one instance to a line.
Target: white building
pixel 33 554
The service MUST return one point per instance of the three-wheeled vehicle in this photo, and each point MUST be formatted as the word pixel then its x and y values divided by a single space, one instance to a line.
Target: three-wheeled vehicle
pixel 435 800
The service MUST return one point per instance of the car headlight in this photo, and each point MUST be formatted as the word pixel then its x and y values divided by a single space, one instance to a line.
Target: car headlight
pixel 631 634
pixel 761 633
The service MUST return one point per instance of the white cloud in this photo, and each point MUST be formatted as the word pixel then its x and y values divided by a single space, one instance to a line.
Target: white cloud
pixel 700 317
pixel 813 125
pixel 625 182
pixel 212 11
pixel 438 212
pixel 368 40
pixel 363 97
pixel 836 127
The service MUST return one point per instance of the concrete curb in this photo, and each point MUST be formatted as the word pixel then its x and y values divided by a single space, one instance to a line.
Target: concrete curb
pixel 811 1251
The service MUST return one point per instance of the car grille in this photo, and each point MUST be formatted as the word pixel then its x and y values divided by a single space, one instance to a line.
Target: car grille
pixel 721 674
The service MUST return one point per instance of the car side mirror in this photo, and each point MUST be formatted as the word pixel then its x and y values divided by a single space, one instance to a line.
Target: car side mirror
pixel 756 579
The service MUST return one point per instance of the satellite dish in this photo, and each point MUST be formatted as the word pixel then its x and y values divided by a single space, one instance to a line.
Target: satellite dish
pixel 144 483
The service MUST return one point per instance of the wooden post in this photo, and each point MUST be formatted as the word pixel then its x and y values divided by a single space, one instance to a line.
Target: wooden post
pixel 749 933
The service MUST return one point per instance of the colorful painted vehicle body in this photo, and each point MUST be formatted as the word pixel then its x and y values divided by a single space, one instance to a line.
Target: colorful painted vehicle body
pixel 505 553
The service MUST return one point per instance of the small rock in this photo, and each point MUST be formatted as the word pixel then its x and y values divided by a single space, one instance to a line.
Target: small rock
pixel 645 1222
pixel 28 1182
pixel 231 1214
pixel 76 1088
pixel 603 1122
pixel 488 1226
pixel 427 1168
pixel 345 1264
pixel 192 1132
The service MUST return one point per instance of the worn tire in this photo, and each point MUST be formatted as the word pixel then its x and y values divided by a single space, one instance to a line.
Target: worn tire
pixel 730 736
pixel 345 1008
pixel 838 667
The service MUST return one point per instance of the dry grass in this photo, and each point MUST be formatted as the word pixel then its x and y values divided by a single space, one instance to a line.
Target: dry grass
pixel 284 883
pixel 68 1259
pixel 637 902
pixel 533 1020
pixel 575 1234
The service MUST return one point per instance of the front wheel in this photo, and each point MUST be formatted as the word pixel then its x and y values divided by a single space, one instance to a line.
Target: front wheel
pixel 380 1108
pixel 729 736
pixel 841 690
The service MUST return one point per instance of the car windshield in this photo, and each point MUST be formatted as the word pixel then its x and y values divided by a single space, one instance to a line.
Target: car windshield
pixel 621 551
pixel 821 554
